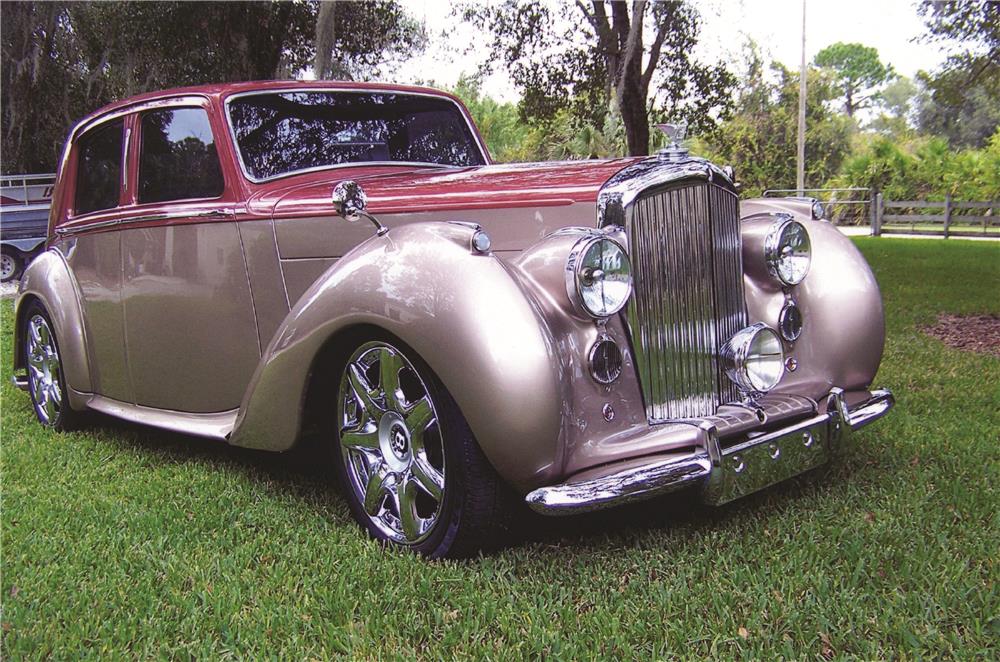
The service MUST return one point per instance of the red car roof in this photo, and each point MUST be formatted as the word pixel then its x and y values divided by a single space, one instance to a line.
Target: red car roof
pixel 220 90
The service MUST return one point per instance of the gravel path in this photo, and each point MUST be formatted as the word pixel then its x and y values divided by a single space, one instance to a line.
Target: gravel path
pixel 8 290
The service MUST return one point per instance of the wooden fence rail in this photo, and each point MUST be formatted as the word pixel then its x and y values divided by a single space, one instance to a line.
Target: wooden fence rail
pixel 954 214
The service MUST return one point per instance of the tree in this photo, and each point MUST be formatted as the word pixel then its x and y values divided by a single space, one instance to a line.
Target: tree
pixel 858 73
pixel 965 120
pixel 759 139
pixel 588 58
pixel 963 97
pixel 898 101
pixel 356 39
pixel 64 60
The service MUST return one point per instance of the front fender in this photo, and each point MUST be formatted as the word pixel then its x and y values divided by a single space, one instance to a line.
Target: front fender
pixel 48 279
pixel 843 333
pixel 464 313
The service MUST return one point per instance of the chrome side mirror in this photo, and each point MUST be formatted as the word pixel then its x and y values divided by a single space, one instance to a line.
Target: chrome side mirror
pixel 349 199
pixel 351 203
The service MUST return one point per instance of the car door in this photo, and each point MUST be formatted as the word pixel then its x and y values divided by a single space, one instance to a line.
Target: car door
pixel 190 333
pixel 92 248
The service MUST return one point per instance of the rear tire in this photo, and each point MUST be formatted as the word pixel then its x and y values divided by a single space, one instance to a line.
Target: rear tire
pixel 11 265
pixel 46 381
pixel 412 471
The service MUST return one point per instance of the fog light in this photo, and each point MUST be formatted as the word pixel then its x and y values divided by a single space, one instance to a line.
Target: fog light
pixel 753 359
pixel 605 361
pixel 790 321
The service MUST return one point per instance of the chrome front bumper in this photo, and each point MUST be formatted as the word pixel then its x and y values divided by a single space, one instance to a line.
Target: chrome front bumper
pixel 725 473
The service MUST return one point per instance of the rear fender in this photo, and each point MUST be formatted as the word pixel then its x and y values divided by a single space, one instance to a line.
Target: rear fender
pixel 464 313
pixel 48 279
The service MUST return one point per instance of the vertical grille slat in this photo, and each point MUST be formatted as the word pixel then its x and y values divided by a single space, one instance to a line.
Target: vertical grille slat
pixel 685 247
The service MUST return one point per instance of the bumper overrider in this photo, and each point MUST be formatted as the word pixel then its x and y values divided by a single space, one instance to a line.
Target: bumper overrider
pixel 724 471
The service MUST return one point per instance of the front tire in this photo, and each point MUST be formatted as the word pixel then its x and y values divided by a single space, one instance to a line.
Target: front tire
pixel 46 382
pixel 413 473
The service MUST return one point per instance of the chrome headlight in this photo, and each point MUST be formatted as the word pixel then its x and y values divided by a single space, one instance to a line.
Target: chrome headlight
pixel 753 358
pixel 788 252
pixel 599 276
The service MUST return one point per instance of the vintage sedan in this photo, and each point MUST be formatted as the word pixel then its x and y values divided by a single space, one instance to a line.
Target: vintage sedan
pixel 261 262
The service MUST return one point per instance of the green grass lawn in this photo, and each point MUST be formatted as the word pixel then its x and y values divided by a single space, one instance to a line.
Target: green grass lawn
pixel 124 542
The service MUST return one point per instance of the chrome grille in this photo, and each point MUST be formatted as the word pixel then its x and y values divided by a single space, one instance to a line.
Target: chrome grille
pixel 688 300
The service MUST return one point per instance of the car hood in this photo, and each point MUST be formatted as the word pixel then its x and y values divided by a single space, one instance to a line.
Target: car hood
pixel 395 190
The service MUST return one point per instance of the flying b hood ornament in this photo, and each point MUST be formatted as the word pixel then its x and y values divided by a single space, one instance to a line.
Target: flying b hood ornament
pixel 676 133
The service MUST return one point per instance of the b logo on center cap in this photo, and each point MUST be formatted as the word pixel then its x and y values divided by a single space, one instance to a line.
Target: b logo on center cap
pixel 398 440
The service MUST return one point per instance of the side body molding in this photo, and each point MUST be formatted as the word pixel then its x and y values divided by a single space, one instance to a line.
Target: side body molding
pixel 48 278
pixel 463 313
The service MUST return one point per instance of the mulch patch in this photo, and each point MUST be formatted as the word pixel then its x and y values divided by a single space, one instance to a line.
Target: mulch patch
pixel 973 333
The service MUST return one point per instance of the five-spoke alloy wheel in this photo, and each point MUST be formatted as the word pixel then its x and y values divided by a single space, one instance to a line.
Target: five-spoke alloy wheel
pixel 413 473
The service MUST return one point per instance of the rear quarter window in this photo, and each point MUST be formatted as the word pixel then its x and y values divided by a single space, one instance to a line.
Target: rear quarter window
pixel 177 159
pixel 99 168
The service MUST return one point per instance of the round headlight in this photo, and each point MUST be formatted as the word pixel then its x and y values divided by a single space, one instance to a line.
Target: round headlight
pixel 601 280
pixel 753 358
pixel 788 252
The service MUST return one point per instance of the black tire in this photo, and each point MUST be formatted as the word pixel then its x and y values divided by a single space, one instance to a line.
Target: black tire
pixel 12 265
pixel 46 381
pixel 475 512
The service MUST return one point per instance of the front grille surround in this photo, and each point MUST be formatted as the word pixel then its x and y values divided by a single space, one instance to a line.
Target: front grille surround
pixel 684 243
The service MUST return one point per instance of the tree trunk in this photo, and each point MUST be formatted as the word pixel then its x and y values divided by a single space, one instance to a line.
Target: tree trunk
pixel 630 87
pixel 632 105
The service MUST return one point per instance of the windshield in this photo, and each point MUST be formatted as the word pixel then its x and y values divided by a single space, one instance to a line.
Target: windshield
pixel 285 132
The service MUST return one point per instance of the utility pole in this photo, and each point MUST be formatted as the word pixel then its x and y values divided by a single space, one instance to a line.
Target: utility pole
pixel 800 170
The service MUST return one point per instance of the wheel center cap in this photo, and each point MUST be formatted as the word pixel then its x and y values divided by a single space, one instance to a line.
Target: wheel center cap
pixel 394 441
pixel 398 440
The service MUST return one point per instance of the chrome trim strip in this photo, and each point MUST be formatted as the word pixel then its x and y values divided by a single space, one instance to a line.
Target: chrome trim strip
pixel 718 468
pixel 205 215
pixel 62 231
pixel 478 139
pixel 215 425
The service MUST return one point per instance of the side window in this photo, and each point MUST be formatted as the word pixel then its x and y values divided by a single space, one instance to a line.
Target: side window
pixel 99 168
pixel 177 160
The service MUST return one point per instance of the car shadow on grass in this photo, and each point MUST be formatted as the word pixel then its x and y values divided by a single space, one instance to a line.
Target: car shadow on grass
pixel 305 472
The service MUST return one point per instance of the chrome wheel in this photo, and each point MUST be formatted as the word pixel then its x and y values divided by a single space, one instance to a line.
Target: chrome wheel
pixel 43 369
pixel 8 265
pixel 391 443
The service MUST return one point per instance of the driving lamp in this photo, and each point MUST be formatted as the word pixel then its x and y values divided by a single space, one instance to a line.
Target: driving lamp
pixel 753 359
pixel 788 252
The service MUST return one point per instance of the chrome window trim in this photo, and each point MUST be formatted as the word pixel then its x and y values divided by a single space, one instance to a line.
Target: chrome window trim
pixel 88 124
pixel 123 163
pixel 139 112
pixel 483 152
